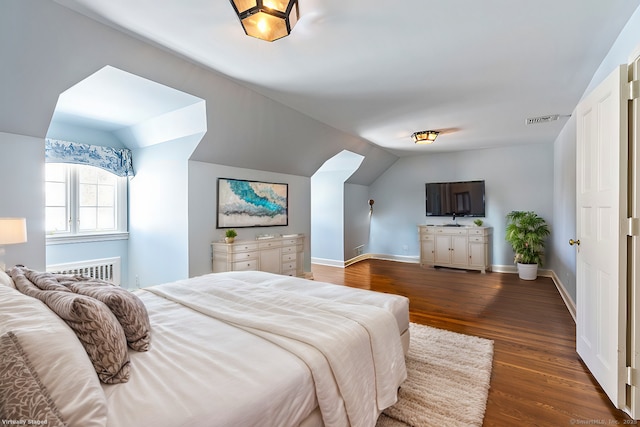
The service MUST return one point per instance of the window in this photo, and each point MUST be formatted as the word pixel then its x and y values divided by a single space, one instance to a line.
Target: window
pixel 84 201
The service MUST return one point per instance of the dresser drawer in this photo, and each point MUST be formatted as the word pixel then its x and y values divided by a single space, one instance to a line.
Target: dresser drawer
pixel 289 250
pixel 242 247
pixel 289 242
pixel 289 257
pixel 426 229
pixel 476 231
pixel 287 266
pixel 245 265
pixel 424 237
pixel 269 244
pixel 451 230
pixel 242 256
pixel 477 239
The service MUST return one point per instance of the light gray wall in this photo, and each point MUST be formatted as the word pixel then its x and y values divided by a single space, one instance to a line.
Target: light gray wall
pixel 22 178
pixel 356 219
pixel 563 263
pixel 48 48
pixel 327 217
pixel 83 134
pixel 202 201
pixel 627 42
pixel 516 178
pixel 158 213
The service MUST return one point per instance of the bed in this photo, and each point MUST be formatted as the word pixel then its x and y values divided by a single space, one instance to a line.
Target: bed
pixel 226 349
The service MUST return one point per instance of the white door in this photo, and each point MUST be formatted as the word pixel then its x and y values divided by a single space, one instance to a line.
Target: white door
pixel 601 217
pixel 634 246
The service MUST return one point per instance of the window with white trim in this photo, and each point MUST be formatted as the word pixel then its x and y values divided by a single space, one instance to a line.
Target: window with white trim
pixel 84 200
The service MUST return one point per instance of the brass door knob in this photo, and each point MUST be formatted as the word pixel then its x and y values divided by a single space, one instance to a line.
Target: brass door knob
pixel 574 242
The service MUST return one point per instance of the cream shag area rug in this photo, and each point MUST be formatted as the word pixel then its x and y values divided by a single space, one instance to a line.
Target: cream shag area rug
pixel 448 381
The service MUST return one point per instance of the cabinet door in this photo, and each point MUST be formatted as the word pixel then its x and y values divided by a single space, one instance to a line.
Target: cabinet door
pixel 427 250
pixel 477 255
pixel 459 250
pixel 270 260
pixel 442 249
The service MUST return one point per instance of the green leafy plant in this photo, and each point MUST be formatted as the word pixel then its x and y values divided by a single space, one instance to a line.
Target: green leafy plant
pixel 231 233
pixel 526 232
pixel 478 222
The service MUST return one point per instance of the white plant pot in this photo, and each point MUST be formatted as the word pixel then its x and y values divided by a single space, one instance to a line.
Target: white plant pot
pixel 528 271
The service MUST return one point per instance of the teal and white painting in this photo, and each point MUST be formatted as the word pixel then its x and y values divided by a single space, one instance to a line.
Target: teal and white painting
pixel 243 203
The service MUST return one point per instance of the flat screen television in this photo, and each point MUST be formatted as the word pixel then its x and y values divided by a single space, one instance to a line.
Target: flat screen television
pixel 464 198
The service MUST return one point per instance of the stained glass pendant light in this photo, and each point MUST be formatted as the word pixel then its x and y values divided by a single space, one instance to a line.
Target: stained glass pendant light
pixel 425 136
pixel 267 19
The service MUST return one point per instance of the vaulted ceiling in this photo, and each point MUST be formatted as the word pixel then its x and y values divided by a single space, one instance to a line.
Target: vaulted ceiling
pixel 474 70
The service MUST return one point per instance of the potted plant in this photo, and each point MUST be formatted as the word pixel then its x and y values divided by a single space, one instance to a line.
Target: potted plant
pixel 478 222
pixel 230 235
pixel 526 232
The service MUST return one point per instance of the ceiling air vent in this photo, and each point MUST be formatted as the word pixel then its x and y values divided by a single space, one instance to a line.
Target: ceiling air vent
pixel 542 119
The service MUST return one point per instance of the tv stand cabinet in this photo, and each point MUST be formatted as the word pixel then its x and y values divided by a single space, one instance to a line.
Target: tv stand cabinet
pixel 455 247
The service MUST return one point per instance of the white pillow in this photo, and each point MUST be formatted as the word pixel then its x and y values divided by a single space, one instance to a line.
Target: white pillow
pixel 6 280
pixel 57 356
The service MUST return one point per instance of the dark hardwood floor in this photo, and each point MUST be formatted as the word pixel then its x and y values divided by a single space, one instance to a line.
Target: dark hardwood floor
pixel 537 378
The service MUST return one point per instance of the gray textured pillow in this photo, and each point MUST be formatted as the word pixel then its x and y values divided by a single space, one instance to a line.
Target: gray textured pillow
pixel 57 356
pixel 99 332
pixel 127 307
pixel 22 394
pixel 95 325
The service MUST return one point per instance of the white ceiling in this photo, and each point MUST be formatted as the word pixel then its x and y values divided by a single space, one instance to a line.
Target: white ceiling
pixel 475 70
pixel 112 99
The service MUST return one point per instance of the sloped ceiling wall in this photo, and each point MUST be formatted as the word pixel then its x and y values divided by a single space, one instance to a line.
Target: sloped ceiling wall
pixel 47 49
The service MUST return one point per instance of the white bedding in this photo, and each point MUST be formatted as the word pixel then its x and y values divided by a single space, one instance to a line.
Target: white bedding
pixel 203 371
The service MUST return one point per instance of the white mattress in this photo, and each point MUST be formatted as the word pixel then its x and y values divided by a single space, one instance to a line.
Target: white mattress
pixel 204 372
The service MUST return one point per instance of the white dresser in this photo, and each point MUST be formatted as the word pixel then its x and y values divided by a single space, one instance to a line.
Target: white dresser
pixel 456 247
pixel 280 255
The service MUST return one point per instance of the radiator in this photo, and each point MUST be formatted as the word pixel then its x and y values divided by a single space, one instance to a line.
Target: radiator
pixel 104 269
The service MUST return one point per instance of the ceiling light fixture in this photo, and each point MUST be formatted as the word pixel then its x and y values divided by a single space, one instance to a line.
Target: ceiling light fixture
pixel 425 136
pixel 267 19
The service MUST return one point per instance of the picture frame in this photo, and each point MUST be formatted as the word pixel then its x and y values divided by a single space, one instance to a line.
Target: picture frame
pixel 244 203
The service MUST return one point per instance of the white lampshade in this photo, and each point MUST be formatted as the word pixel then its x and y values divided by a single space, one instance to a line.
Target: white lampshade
pixel 13 230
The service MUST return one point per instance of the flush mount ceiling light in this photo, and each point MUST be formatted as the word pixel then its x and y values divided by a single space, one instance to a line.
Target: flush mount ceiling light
pixel 267 19
pixel 425 136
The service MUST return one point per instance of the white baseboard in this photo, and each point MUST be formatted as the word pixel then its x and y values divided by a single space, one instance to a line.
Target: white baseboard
pixel 397 258
pixel 329 262
pixel 362 257
pixel 568 302
pixel 514 270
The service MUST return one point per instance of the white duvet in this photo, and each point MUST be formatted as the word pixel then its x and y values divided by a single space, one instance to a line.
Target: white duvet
pixel 255 349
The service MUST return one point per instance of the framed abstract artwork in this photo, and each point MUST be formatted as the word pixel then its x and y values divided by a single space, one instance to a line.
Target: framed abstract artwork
pixel 243 203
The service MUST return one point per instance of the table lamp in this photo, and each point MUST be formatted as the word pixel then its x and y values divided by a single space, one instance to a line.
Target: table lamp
pixel 12 231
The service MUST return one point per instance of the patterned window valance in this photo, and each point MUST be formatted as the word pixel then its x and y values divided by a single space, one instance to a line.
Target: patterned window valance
pixel 114 160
